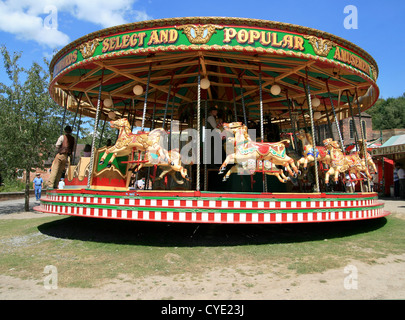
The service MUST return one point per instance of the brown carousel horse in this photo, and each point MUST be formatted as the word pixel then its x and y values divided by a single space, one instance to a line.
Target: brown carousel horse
pixel 246 149
pixel 148 142
pixel 369 160
pixel 127 140
pixel 322 154
pixel 340 162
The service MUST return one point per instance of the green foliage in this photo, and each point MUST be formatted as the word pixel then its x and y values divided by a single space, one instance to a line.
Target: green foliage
pixel 388 114
pixel 29 119
pixel 29 125
pixel 86 133
pixel 12 185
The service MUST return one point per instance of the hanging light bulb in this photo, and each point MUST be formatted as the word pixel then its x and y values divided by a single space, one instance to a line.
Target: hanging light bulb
pixel 317 115
pixel 205 83
pixel 108 102
pixel 111 115
pixel 275 89
pixel 316 102
pixel 138 90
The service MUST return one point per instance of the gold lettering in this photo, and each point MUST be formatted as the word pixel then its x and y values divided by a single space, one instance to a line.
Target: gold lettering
pixel 253 36
pixel 74 56
pixel 106 45
pixel 133 40
pixel 141 36
pixel 274 42
pixel 163 36
pixel 298 43
pixel 173 35
pixel 265 38
pixel 154 38
pixel 112 44
pixel 343 56
pixel 287 41
pixel 352 59
pixel 337 54
pixel 229 34
pixel 65 62
pixel 125 41
pixel 119 45
pixel 242 36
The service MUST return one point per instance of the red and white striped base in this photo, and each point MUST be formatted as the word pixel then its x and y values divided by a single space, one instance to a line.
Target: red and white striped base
pixel 196 207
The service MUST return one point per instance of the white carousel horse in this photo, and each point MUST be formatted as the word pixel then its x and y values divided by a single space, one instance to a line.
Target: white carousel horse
pixel 246 149
pixel 252 166
pixel 322 154
pixel 170 165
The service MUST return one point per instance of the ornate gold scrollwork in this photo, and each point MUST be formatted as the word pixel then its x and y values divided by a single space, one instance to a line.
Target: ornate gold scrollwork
pixel 321 46
pixel 374 72
pixel 87 49
pixel 199 34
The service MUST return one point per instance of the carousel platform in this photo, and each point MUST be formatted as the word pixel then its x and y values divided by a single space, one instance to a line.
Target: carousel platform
pixel 209 207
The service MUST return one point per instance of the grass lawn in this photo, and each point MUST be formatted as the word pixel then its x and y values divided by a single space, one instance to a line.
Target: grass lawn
pixel 87 251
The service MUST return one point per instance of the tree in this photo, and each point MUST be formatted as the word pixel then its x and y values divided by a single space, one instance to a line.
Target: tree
pixel 29 119
pixel 389 113
pixel 104 131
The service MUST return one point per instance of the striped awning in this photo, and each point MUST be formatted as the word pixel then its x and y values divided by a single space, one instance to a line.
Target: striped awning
pixel 394 146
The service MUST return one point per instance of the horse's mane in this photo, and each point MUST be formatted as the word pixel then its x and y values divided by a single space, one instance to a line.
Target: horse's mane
pixel 309 138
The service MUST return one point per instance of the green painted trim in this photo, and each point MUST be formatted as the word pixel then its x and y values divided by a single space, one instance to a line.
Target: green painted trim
pixel 242 36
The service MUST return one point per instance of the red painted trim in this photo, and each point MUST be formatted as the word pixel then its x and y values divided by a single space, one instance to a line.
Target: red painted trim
pixel 198 194
pixel 187 217
pixel 76 182
pixel 105 182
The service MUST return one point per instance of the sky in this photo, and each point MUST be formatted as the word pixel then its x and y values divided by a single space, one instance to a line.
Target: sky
pixel 38 28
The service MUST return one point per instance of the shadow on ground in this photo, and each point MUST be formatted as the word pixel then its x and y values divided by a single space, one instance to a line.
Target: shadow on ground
pixel 9 207
pixel 190 235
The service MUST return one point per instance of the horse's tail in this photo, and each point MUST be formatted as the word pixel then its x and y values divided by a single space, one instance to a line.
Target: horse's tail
pixel 157 131
pixel 286 142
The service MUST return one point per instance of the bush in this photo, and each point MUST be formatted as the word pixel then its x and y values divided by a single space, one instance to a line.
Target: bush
pixel 12 185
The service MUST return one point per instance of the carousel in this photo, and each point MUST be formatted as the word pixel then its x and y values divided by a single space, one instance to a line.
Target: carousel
pixel 226 120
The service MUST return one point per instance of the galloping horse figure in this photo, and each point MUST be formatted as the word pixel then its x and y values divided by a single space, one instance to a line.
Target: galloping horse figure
pixel 127 140
pixel 369 160
pixel 148 142
pixel 322 154
pixel 170 165
pixel 340 162
pixel 251 166
pixel 246 149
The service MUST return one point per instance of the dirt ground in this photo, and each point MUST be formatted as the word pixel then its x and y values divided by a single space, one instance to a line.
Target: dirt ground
pixel 383 280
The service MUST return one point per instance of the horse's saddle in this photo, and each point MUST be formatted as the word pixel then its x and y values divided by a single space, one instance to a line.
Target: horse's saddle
pixel 276 149
pixel 263 148
pixel 321 152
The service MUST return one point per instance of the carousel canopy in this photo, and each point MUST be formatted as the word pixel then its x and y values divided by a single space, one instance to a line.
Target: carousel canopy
pixel 242 63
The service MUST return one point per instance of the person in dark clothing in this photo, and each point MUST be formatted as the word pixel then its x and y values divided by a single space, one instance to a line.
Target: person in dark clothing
pixel 213 138
pixel 396 181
